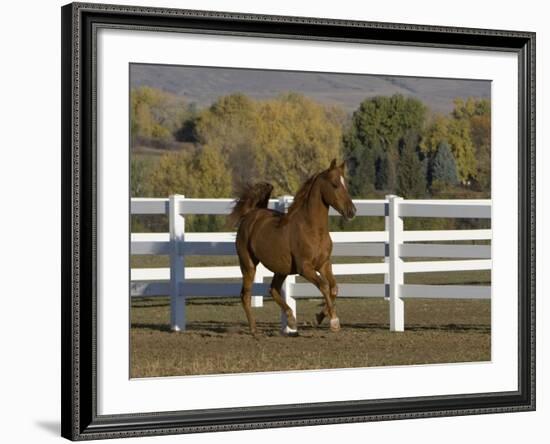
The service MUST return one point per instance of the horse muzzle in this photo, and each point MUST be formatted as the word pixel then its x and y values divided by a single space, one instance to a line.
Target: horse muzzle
pixel 349 212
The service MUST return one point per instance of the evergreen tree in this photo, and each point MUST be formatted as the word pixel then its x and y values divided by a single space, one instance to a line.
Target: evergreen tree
pixel 381 177
pixel 376 127
pixel 443 166
pixel 411 181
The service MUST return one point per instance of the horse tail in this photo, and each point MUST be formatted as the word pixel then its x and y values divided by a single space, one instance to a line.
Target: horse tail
pixel 251 197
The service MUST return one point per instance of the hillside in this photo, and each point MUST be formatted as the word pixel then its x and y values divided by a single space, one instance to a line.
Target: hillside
pixel 205 85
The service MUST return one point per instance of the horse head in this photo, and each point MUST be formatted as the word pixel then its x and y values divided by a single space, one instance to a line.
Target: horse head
pixel 334 190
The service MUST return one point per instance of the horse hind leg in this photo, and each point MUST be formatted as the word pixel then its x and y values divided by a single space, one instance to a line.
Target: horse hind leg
pixel 275 291
pixel 248 269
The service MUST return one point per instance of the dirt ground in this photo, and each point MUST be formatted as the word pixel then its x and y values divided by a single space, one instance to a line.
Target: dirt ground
pixel 217 338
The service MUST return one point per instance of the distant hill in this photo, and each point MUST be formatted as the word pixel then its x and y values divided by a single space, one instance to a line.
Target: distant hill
pixel 204 85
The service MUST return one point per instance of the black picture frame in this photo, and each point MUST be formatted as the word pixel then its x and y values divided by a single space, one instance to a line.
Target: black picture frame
pixel 79 169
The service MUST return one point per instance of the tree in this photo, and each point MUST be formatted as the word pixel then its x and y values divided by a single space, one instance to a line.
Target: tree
pixel 481 137
pixel 443 166
pixel 297 138
pixel 457 134
pixel 139 177
pixel 467 131
pixel 376 127
pixel 381 169
pixel 200 173
pixel 231 125
pixel 155 115
pixel 283 140
pixel 228 123
pixel 470 108
pixel 411 181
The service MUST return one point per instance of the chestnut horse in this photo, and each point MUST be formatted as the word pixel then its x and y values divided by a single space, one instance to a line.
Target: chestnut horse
pixel 294 243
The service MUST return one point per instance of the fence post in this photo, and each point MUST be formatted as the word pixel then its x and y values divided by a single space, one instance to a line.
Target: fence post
pixel 284 203
pixel 258 300
pixel 397 308
pixel 387 247
pixel 177 263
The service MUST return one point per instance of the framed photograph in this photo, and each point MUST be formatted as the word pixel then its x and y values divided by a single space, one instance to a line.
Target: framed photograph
pixel 279 221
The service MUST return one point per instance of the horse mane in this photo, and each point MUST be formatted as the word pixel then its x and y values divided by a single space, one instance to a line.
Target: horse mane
pixel 301 198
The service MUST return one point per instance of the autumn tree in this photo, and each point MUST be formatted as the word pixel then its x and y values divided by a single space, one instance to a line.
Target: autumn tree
pixel 297 138
pixel 481 137
pixel 478 113
pixel 283 140
pixel 139 177
pixel 200 173
pixel 457 134
pixel 467 131
pixel 155 115
pixel 466 109
pixel 229 123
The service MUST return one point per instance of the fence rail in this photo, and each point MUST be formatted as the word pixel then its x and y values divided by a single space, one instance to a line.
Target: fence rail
pixel 394 244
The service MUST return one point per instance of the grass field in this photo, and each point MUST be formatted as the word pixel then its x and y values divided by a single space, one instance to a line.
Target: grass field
pixel 217 338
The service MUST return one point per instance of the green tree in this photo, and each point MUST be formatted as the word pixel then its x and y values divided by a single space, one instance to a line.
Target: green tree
pixel 372 138
pixel 443 166
pixel 411 181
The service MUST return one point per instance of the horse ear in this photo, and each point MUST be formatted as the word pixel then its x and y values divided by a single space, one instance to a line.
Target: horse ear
pixel 332 164
pixel 343 166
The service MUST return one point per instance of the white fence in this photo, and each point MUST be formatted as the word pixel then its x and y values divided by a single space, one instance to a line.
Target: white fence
pixel 393 244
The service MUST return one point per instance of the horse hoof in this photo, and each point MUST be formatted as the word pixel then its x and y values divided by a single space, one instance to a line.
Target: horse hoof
pixel 335 324
pixel 319 318
pixel 291 322
pixel 288 331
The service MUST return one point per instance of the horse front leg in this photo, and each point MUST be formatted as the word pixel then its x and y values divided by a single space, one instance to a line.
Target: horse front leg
pixel 322 283
pixel 326 271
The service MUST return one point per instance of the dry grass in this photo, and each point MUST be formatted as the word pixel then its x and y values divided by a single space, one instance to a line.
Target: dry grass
pixel 217 338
